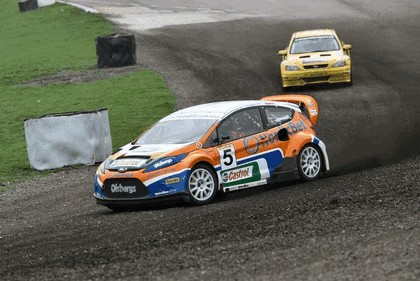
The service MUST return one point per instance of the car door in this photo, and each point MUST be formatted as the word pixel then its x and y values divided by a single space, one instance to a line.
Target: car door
pixel 275 119
pixel 244 150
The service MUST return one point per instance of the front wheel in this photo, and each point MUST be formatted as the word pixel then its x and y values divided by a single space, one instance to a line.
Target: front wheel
pixel 310 162
pixel 202 185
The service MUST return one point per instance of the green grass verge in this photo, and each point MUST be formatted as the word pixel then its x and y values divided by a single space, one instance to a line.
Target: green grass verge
pixel 50 40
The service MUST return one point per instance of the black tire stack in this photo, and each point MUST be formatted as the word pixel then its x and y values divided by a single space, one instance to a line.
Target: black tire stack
pixel 115 50
pixel 28 5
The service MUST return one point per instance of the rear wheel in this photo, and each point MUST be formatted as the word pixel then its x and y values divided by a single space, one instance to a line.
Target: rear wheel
pixel 202 185
pixel 310 162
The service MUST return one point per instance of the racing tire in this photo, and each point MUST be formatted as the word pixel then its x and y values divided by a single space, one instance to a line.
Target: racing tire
pixel 310 162
pixel 202 185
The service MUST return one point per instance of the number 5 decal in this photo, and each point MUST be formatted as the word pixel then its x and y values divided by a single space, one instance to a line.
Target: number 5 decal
pixel 227 157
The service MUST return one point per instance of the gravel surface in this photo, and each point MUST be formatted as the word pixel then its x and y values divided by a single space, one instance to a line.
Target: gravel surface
pixel 360 226
pixel 359 222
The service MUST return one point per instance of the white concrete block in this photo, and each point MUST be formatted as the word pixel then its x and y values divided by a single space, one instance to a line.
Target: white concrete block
pixel 43 3
pixel 59 140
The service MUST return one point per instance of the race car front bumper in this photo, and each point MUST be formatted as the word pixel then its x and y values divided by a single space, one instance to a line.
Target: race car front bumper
pixel 135 202
pixel 126 191
pixel 306 77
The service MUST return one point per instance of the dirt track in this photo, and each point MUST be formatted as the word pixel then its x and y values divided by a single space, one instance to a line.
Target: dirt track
pixel 359 226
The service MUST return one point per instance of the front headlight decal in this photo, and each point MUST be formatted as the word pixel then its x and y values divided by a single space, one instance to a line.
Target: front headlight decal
pixel 164 162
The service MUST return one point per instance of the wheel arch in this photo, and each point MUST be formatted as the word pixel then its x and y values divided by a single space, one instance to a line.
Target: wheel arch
pixel 324 165
pixel 211 167
pixel 204 190
pixel 322 148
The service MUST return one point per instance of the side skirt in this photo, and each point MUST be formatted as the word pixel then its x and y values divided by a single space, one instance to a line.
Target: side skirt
pixel 244 186
pixel 288 171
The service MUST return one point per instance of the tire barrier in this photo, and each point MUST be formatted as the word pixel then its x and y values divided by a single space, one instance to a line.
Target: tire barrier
pixel 27 5
pixel 116 50
pixel 63 139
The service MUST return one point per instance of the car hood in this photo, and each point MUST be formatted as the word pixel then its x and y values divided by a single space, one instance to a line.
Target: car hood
pixel 147 150
pixel 317 57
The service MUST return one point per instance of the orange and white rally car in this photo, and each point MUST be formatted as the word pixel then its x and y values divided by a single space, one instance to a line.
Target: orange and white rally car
pixel 221 146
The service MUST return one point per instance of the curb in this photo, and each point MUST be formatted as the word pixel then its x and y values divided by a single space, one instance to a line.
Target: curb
pixel 84 8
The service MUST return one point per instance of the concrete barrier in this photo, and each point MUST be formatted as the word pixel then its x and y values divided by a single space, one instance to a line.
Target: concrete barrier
pixel 43 3
pixel 64 139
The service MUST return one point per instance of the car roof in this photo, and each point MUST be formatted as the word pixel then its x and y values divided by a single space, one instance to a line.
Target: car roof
pixel 218 110
pixel 315 32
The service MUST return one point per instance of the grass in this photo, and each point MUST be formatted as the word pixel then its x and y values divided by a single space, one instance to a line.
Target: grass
pixel 47 41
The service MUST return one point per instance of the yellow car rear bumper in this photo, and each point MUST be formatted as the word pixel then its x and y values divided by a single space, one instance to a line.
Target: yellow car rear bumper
pixel 306 77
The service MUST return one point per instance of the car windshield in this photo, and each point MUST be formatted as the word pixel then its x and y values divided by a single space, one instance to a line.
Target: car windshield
pixel 314 44
pixel 176 131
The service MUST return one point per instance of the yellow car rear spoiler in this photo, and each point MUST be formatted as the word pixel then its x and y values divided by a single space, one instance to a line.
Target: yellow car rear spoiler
pixel 307 104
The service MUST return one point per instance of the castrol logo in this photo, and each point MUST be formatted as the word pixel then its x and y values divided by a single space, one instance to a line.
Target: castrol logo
pixel 237 174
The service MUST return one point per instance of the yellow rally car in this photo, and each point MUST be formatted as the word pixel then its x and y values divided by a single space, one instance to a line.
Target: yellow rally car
pixel 315 56
pixel 226 146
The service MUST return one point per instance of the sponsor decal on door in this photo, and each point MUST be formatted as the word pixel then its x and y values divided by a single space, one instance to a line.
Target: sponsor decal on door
pixel 242 174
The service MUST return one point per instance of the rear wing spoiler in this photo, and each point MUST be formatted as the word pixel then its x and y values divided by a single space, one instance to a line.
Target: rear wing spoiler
pixel 307 104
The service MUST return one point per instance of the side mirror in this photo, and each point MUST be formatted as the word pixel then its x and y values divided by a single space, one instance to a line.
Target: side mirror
pixel 282 52
pixel 283 135
pixel 347 47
